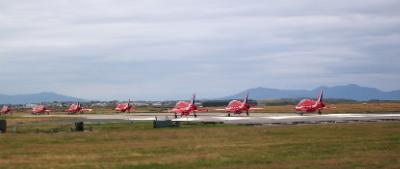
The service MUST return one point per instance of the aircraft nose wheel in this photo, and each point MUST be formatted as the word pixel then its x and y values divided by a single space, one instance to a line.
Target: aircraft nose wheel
pixel 229 115
pixel 176 116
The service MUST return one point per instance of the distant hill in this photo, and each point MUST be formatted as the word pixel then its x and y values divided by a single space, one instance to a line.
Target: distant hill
pixel 35 98
pixel 350 91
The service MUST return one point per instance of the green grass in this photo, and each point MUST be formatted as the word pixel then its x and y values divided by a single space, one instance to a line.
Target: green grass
pixel 138 145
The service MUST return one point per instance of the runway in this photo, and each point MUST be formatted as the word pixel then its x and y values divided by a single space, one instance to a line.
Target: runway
pixel 254 118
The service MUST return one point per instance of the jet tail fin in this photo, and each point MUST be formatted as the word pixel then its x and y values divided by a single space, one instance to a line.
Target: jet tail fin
pixel 246 98
pixel 320 97
pixel 193 99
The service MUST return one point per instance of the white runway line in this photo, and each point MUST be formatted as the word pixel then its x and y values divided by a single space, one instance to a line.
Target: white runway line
pixel 232 118
pixel 284 117
pixel 187 119
pixel 362 115
pixel 386 115
pixel 142 119
pixel 343 115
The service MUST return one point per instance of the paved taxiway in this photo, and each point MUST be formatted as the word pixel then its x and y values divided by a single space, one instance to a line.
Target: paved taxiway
pixel 255 118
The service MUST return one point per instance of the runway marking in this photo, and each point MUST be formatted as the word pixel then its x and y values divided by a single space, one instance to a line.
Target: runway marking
pixel 141 119
pixel 186 119
pixel 343 115
pixel 232 118
pixel 283 117
pixel 387 115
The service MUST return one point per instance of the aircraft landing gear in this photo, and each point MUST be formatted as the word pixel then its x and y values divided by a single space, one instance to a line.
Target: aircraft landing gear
pixel 229 115
pixel 247 113
pixel 319 112
pixel 195 115
pixel 176 116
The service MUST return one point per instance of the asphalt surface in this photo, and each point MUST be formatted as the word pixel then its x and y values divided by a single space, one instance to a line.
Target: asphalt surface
pixel 254 118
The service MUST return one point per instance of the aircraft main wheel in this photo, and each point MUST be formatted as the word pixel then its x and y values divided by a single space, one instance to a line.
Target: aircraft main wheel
pixel 319 112
pixel 229 115
pixel 247 113
pixel 195 115
pixel 176 116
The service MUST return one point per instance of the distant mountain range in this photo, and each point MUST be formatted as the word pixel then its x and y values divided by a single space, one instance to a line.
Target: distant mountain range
pixel 350 91
pixel 35 98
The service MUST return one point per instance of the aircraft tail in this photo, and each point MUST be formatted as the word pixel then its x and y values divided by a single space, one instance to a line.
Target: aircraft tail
pixel 193 99
pixel 320 97
pixel 246 98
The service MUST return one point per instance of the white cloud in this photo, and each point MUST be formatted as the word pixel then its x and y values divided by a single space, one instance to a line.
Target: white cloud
pixel 158 49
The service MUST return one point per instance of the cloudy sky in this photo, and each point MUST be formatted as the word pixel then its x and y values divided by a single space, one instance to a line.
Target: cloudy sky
pixel 168 49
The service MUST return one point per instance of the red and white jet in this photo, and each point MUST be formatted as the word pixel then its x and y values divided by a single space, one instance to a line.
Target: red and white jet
pixel 5 110
pixel 124 107
pixel 238 107
pixel 185 108
pixel 310 106
pixel 40 109
pixel 76 108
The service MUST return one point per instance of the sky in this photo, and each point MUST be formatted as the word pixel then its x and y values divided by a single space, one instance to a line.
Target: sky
pixel 158 49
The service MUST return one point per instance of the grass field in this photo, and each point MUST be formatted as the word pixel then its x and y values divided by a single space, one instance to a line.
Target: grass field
pixel 138 145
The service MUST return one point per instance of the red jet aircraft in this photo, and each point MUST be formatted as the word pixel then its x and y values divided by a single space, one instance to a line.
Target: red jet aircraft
pixel 76 108
pixel 5 110
pixel 124 107
pixel 185 108
pixel 310 106
pixel 238 107
pixel 40 109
